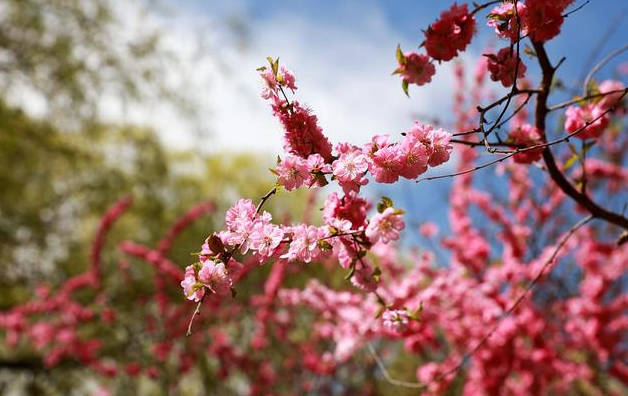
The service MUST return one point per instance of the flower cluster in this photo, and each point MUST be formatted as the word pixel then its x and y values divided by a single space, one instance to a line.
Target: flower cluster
pixel 347 234
pixel 414 68
pixel 525 136
pixel 541 20
pixel 445 38
pixel 450 34
pixel 504 66
pixel 587 122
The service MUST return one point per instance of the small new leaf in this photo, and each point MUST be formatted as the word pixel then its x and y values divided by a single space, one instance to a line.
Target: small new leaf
pixel 401 58
pixel 215 244
pixel 384 204
pixel 571 161
pixel 351 271
pixel 404 86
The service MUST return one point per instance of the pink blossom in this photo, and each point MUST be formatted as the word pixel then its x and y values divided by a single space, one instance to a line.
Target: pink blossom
pixel 239 220
pixel 396 320
pixel 192 289
pixel 450 34
pixel 503 65
pixel 304 246
pixel 214 276
pixel 317 169
pixel 441 146
pixel 385 226
pixel 364 279
pixel 542 19
pixel 428 229
pixel 416 68
pixel 292 172
pixel 610 100
pixel 415 150
pixel 302 135
pixel 350 169
pixel 376 143
pixel 504 20
pixel 265 238
pixel 578 116
pixel 526 135
pixel 350 207
pixel 269 84
pixel 242 213
pixel 288 79
pixel 385 164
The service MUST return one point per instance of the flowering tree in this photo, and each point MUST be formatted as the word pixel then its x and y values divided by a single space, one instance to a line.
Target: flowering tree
pixel 531 298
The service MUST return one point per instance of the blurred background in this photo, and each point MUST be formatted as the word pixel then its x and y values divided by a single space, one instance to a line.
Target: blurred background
pixel 158 100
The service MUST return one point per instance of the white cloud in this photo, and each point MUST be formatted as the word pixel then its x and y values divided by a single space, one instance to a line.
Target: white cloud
pixel 343 69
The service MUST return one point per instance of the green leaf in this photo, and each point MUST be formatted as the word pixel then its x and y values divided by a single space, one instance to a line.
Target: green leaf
pixel 404 86
pixel 571 161
pixel 384 204
pixel 351 271
pixel 274 64
pixel 401 58
pixel 324 245
pixel 377 274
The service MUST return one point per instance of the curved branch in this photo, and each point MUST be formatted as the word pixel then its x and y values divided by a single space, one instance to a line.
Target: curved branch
pixel 548 157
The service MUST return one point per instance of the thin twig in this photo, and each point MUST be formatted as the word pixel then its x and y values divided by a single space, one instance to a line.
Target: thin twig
pixel 487 336
pixel 595 52
pixel 386 374
pixel 197 312
pixel 585 98
pixel 600 64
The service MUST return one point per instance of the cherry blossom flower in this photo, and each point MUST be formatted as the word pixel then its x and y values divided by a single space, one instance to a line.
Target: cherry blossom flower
pixel 302 135
pixel 396 320
pixel 504 20
pixel 305 243
pixel 385 226
pixel 264 238
pixel 350 168
pixel 502 66
pixel 214 276
pixel 610 100
pixel 292 172
pixel 542 19
pixel 415 68
pixel 450 34
pixel 415 151
pixel 385 164
pixel 441 146
pixel 578 116
pixel 526 135
pixel 192 289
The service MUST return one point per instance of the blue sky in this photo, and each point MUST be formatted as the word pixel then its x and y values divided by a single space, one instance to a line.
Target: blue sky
pixel 342 52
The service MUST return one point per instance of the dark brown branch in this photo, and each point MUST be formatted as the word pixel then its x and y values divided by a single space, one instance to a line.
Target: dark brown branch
pixel 548 157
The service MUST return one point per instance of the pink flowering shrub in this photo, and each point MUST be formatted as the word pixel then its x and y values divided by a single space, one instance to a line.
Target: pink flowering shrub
pixel 521 291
